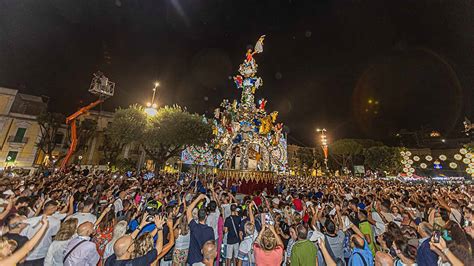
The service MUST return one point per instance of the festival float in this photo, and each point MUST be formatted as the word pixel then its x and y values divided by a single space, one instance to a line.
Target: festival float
pixel 248 144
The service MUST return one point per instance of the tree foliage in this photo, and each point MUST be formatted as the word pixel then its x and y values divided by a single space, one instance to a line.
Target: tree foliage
pixel 49 124
pixel 343 151
pixel 127 126
pixel 383 158
pixel 162 136
pixel 171 130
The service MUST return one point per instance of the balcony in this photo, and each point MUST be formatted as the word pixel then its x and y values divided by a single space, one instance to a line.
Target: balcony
pixel 14 139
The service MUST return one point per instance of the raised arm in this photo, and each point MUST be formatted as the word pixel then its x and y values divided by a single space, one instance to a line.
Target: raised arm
pixel 143 222
pixel 315 217
pixel 251 216
pixel 339 218
pixel 28 246
pixel 357 231
pixel 7 209
pixel 170 243
pixel 101 217
pixel 189 210
pixel 69 208
pixel 327 257
pixel 159 222
pixel 278 238
pixel 443 204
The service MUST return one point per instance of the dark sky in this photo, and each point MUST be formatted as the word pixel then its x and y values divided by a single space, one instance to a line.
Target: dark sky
pixel 323 60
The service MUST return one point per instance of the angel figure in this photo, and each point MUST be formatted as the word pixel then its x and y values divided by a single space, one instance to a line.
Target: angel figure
pixel 258 49
pixel 262 102
pixel 217 113
pixel 274 116
pixel 238 81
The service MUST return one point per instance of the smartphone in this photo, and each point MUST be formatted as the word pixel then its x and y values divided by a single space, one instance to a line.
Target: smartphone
pixel 269 219
pixel 436 236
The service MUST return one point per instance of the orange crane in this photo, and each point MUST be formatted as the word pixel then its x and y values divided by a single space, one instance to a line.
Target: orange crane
pixel 100 86
pixel 71 120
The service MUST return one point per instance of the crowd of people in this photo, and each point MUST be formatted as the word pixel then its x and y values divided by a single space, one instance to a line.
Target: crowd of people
pixel 102 218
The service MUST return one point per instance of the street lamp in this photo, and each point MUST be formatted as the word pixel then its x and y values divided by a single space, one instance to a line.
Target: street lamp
pixel 324 145
pixel 151 106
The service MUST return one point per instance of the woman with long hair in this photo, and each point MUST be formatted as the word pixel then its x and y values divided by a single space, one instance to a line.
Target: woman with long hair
pixel 104 232
pixel 143 244
pixel 180 253
pixel 55 254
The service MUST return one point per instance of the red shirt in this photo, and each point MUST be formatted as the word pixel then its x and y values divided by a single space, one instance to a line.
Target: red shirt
pixel 257 200
pixel 298 204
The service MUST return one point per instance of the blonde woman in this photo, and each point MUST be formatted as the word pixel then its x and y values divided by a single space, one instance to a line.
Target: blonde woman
pixel 143 244
pixel 55 254
pixel 7 258
pixel 268 247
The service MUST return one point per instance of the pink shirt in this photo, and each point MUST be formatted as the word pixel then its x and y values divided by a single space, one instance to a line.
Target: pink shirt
pixel 268 258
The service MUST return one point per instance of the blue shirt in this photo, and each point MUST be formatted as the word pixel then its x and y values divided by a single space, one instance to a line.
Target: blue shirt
pixel 424 255
pixel 200 234
pixel 365 254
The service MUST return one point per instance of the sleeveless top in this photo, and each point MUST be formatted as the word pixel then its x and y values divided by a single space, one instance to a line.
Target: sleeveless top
pixel 182 242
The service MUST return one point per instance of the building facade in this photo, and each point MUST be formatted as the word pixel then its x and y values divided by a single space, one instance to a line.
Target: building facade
pixel 19 130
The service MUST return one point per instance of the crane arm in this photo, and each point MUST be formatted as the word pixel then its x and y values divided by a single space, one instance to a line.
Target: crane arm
pixel 72 121
pixel 82 111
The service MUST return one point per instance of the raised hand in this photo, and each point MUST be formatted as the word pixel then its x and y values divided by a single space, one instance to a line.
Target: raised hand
pixel 44 220
pixel 159 221
pixel 144 221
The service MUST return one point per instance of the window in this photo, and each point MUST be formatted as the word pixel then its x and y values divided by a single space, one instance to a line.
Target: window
pixel 11 157
pixel 20 134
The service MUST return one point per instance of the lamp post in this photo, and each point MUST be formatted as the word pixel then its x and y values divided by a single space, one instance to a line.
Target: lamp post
pixel 324 145
pixel 150 109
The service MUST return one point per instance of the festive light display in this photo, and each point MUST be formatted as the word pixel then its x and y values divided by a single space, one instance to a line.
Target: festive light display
pixel 465 155
pixel 246 137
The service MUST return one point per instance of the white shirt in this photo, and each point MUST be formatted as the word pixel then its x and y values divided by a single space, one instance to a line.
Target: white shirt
pixel 226 209
pixel 84 255
pixel 55 254
pixel 379 224
pixel 247 243
pixel 42 247
pixel 212 220
pixel 83 217
pixel 118 206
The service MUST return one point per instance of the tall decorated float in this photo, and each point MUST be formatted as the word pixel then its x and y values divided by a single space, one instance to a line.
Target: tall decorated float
pixel 249 144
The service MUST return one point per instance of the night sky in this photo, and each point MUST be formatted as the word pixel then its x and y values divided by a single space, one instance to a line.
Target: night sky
pixel 362 69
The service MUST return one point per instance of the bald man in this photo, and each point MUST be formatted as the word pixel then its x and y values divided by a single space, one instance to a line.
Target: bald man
pixel 81 250
pixel 123 249
pixel 209 254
